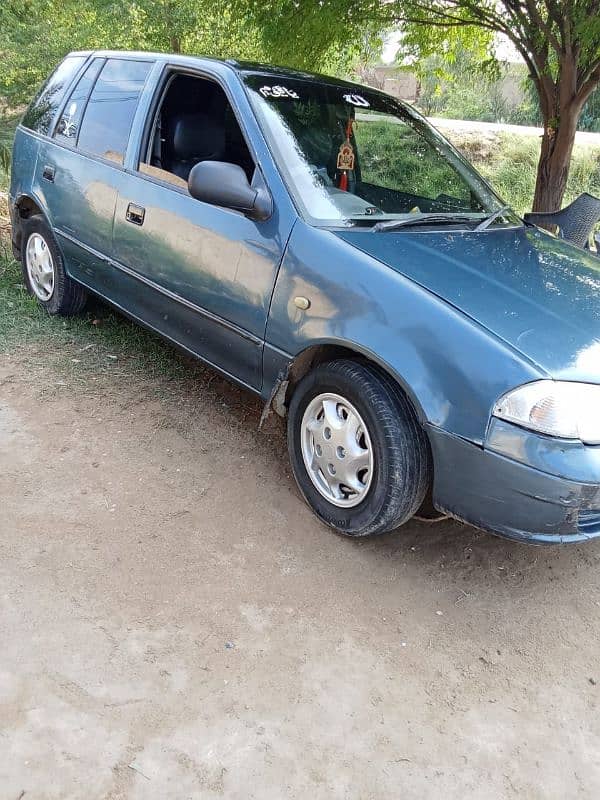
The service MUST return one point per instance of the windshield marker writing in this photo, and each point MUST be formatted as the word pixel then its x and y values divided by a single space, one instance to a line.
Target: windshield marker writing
pixel 356 100
pixel 279 92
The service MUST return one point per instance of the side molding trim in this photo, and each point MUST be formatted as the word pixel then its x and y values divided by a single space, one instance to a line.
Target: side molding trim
pixel 244 334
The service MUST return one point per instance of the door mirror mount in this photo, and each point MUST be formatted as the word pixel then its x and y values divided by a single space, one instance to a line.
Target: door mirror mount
pixel 221 183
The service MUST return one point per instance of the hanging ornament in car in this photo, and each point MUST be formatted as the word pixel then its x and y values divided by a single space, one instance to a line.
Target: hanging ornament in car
pixel 345 159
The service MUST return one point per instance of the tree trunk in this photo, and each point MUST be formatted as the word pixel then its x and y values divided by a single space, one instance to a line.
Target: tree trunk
pixel 561 103
pixel 554 162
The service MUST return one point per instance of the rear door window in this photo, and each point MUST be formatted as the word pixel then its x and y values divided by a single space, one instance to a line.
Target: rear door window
pixel 40 114
pixel 68 125
pixel 109 114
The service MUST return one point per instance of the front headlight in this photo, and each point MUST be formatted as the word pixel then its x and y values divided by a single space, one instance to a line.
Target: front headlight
pixel 557 408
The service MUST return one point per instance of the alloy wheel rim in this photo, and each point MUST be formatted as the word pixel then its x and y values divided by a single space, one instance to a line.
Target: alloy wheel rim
pixel 40 266
pixel 337 450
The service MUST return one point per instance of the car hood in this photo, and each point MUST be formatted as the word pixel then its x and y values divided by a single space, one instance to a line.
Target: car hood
pixel 537 293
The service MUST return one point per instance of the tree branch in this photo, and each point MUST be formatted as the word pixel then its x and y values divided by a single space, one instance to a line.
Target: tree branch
pixel 541 23
pixel 443 18
pixel 587 73
pixel 588 86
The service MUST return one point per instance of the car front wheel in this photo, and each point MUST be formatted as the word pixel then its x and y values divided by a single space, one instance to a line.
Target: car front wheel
pixel 359 454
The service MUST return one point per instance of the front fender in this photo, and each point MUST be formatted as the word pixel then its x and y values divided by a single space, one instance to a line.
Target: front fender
pixel 452 369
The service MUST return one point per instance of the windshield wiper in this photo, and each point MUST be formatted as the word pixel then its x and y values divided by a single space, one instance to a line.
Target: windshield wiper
pixel 421 219
pixel 491 218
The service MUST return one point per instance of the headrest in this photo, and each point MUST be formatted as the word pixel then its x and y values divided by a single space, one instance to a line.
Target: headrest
pixel 198 137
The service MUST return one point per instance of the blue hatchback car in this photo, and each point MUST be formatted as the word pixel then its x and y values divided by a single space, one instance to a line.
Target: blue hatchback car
pixel 321 244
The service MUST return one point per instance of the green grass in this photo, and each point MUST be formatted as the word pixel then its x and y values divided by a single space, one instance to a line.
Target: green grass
pixel 395 156
pixel 98 341
pixel 509 163
pixel 7 132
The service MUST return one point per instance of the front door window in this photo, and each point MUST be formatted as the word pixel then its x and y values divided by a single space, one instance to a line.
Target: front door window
pixel 194 123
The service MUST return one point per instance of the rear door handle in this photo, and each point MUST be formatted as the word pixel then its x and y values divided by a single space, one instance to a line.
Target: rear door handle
pixel 48 173
pixel 135 214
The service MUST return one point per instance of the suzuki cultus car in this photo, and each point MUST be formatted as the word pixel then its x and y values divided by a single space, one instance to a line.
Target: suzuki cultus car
pixel 321 244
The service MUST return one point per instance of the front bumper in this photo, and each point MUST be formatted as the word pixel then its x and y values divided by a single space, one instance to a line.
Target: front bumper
pixel 520 485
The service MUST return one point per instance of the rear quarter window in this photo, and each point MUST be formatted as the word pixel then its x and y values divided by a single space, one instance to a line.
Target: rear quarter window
pixel 67 128
pixel 40 113
pixel 111 108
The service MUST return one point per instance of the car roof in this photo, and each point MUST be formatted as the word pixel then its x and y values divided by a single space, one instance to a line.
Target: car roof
pixel 244 67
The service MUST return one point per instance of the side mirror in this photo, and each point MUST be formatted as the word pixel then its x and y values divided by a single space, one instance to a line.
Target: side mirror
pixel 223 184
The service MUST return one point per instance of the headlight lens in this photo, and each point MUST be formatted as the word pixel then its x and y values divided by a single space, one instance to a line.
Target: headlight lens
pixel 557 408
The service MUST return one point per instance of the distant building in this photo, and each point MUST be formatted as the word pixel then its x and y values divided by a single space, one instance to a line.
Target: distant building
pixel 403 84
pixel 398 82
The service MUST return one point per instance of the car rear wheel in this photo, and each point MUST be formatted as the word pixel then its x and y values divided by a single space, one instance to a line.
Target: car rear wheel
pixel 44 273
pixel 359 454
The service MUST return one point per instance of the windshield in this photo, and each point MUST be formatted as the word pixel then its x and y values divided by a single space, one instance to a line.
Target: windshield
pixel 351 156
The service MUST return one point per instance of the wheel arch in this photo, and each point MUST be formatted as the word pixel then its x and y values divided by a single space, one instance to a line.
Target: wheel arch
pixel 329 350
pixel 26 205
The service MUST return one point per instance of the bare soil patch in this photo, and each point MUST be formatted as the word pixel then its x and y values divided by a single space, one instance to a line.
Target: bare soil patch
pixel 176 624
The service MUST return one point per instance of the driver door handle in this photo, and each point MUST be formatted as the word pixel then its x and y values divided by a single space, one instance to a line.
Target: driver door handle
pixel 135 214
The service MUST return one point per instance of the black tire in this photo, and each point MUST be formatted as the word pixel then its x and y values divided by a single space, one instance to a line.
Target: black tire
pixel 67 298
pixel 402 468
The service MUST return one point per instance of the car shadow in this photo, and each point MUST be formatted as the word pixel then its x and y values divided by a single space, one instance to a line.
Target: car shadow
pixel 465 553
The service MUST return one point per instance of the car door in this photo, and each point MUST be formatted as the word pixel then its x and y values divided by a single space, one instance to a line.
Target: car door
pixel 200 274
pixel 78 170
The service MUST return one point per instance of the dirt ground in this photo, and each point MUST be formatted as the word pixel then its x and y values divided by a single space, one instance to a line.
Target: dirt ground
pixel 175 623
